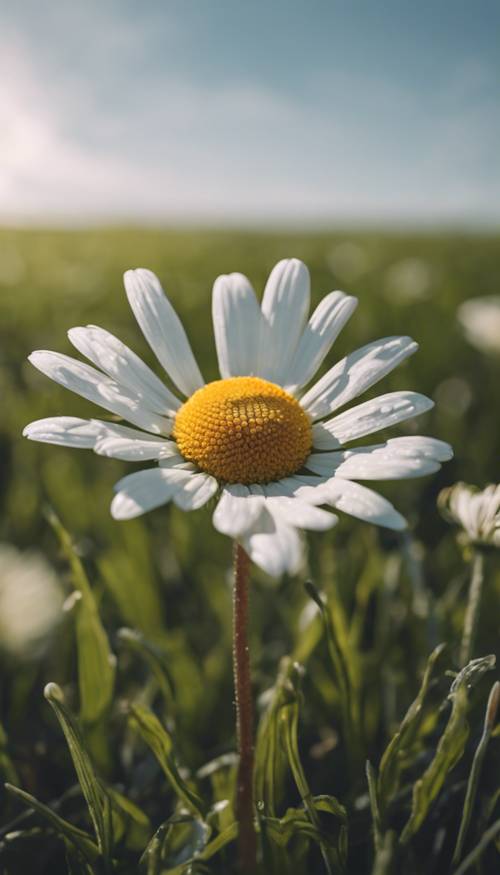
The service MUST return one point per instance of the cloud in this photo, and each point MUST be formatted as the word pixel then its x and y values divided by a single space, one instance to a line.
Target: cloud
pixel 81 146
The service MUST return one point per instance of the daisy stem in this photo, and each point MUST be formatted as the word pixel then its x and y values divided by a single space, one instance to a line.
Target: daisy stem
pixel 472 609
pixel 244 714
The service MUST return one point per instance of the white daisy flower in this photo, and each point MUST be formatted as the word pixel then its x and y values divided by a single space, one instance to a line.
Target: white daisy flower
pixel 31 602
pixel 476 511
pixel 480 319
pixel 272 449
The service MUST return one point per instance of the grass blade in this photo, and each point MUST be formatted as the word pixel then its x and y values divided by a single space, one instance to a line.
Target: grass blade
pixel 400 744
pixel 450 748
pixel 96 662
pixel 95 795
pixel 470 795
pixel 127 571
pixel 341 667
pixel 473 858
pixel 289 719
pixel 159 740
pixel 270 759
pixel 78 838
pixel 371 777
pixel 155 660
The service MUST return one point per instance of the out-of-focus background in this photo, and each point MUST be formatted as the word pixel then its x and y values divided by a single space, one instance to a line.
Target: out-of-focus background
pixel 202 138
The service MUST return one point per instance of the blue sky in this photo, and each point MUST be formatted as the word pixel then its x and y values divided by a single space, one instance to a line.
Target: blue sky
pixel 266 112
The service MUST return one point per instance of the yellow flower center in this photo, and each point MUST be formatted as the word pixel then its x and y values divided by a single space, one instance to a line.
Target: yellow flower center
pixel 243 430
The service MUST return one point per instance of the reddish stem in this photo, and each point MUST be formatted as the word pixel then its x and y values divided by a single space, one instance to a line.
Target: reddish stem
pixel 247 841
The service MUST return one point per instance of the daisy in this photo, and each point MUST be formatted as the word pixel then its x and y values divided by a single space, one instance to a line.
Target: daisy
pixel 480 320
pixel 476 511
pixel 272 447
pixel 31 602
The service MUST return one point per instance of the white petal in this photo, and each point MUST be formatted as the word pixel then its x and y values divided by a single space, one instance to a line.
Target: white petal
pixel 399 458
pixel 145 490
pixel 124 366
pixel 285 306
pixel 300 514
pixel 427 446
pixel 276 552
pixel 96 387
pixel 369 417
pixel 67 431
pixel 355 373
pixel 301 486
pixel 363 503
pixel 237 510
pixel 162 329
pixel 177 461
pixel 323 328
pixel 195 491
pixel 237 325
pixel 120 442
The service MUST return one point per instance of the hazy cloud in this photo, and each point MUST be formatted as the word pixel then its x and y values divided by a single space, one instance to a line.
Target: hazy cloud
pixel 107 114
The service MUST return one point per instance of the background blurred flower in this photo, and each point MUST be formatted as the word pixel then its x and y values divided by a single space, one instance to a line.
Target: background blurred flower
pixel 480 319
pixel 31 602
pixel 348 260
pixel 409 280
pixel 477 512
pixel 454 396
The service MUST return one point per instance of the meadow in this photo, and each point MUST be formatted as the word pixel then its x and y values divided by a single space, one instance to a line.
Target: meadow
pixel 128 764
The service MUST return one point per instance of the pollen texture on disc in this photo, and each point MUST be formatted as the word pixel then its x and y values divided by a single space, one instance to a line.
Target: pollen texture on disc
pixel 243 430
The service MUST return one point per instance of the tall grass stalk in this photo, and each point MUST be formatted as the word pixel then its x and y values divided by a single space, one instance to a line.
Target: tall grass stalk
pixel 247 841
pixel 470 796
pixel 472 609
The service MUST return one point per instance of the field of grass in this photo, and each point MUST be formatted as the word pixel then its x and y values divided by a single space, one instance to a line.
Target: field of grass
pixel 143 654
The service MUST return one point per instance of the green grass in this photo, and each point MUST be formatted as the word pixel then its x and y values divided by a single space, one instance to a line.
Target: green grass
pixel 138 750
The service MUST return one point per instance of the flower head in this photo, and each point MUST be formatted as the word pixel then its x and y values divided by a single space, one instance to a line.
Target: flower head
pixel 270 447
pixel 476 511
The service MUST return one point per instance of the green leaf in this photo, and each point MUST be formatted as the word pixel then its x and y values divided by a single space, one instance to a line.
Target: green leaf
pixel 210 850
pixel 159 740
pixel 184 837
pixel 472 673
pixel 332 851
pixel 222 773
pixel 97 800
pixel 451 744
pixel 449 750
pixel 96 662
pixel 271 760
pixel 383 863
pixel 181 840
pixel 337 648
pixel 130 824
pixel 127 571
pixel 7 768
pixel 154 659
pixel 372 791
pixel 296 821
pixel 472 784
pixel 472 859
pixel 151 858
pixel 330 805
pixel 77 838
pixel 397 751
